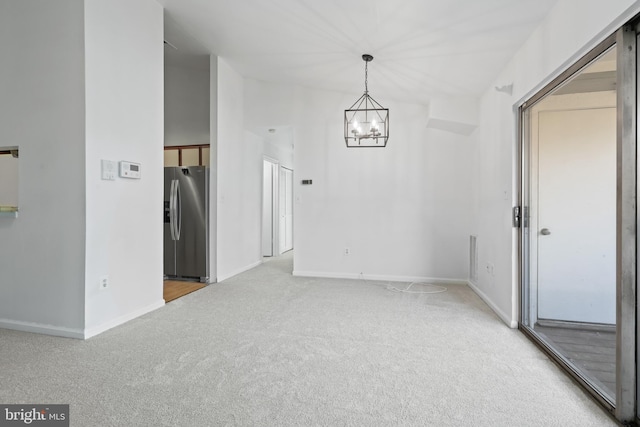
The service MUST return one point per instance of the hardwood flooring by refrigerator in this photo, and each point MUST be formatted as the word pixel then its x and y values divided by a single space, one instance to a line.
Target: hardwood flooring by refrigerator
pixel 174 289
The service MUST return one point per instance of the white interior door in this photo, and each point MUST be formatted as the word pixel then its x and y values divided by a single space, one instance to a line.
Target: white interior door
pixel 286 209
pixel 269 192
pixel 576 218
pixel 288 219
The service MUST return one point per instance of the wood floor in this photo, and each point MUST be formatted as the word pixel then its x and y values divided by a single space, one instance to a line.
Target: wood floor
pixel 175 289
pixel 592 351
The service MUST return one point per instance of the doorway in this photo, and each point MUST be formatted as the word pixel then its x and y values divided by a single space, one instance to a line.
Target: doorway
pixel 570 169
pixel 277 209
pixel 572 223
pixel 576 172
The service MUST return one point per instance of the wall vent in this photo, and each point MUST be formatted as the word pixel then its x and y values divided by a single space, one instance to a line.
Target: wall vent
pixel 473 259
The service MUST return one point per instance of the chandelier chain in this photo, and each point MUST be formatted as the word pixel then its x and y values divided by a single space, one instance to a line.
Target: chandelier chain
pixel 366 77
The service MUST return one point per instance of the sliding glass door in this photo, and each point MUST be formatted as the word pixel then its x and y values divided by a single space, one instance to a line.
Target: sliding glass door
pixel 578 221
pixel 571 227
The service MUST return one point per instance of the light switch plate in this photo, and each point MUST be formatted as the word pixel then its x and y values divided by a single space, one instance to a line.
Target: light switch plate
pixel 109 170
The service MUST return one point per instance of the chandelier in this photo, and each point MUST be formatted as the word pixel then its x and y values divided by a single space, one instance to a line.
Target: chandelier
pixel 366 122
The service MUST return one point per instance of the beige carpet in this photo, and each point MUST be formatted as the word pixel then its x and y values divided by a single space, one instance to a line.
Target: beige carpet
pixel 268 349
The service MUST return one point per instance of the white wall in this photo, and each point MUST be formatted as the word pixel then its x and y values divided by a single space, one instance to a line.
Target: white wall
pixel 280 147
pixel 187 103
pixel 271 106
pixel 9 180
pixel 239 171
pixel 570 30
pixel 402 211
pixel 42 111
pixel 124 121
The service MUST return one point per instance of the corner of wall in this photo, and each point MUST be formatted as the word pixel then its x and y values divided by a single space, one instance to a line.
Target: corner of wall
pixel 124 109
pixel 213 161
pixel 506 318
pixel 42 109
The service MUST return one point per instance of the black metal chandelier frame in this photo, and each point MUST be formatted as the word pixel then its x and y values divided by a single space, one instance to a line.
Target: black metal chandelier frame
pixel 370 114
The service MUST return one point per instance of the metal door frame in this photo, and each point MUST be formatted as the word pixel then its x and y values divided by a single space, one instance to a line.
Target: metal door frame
pixel 626 257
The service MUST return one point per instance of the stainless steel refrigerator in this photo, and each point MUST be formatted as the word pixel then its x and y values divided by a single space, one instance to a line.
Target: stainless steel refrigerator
pixel 186 223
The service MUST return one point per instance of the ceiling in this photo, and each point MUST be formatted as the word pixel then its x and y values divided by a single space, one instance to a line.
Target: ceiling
pixel 422 48
pixel 599 76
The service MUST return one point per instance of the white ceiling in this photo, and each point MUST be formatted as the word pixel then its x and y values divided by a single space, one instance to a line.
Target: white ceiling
pixel 422 48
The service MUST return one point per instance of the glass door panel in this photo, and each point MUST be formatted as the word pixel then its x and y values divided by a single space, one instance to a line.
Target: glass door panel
pixel 569 238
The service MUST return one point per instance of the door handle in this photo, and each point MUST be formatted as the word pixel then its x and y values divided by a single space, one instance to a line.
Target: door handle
pixel 178 211
pixel 172 209
pixel 545 232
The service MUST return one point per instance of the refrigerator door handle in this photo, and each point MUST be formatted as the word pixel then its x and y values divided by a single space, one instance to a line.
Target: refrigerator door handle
pixel 178 211
pixel 172 209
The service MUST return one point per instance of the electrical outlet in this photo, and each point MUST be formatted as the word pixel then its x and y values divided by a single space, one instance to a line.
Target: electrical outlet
pixel 347 251
pixel 103 282
pixel 490 269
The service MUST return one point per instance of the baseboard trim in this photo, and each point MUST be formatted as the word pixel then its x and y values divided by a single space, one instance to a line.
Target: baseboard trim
pixel 88 333
pixel 513 324
pixel 39 328
pixel 355 276
pixel 224 277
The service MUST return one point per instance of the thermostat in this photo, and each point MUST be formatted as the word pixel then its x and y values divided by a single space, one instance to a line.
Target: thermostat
pixel 129 170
